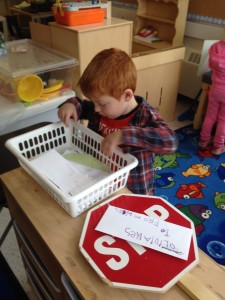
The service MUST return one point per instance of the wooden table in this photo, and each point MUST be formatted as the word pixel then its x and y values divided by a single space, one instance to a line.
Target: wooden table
pixel 55 236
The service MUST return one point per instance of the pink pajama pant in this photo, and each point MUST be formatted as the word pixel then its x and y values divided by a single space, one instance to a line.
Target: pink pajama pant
pixel 215 114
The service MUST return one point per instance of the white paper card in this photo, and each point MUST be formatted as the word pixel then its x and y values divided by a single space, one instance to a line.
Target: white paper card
pixel 70 177
pixel 147 231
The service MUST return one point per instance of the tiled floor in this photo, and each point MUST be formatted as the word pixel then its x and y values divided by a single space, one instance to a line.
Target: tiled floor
pixel 10 249
pixel 11 253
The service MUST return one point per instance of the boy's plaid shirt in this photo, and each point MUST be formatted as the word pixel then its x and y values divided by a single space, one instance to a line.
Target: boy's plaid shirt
pixel 147 134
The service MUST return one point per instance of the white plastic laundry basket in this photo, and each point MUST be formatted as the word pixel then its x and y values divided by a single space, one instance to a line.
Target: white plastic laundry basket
pixel 59 137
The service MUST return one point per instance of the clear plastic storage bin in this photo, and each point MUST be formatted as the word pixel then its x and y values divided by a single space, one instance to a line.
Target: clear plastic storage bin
pixel 57 136
pixel 30 71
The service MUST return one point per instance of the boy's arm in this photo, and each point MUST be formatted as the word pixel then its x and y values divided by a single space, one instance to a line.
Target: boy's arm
pixel 76 101
pixel 151 134
pixel 83 107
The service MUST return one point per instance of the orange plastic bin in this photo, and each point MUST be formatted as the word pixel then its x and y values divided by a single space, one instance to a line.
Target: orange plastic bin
pixel 80 17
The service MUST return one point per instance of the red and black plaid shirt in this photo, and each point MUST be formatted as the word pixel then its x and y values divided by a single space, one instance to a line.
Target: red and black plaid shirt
pixel 146 135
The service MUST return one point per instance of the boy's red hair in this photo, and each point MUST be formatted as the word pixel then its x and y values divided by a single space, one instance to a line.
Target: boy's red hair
pixel 110 72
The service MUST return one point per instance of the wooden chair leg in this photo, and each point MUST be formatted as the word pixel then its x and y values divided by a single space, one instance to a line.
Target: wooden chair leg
pixel 6 231
pixel 5 27
pixel 199 116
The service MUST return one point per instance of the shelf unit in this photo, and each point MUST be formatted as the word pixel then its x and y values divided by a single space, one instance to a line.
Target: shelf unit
pixel 167 16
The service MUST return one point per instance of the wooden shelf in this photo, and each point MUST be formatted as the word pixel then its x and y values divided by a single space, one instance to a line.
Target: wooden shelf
pixel 154 45
pixel 153 18
pixel 168 17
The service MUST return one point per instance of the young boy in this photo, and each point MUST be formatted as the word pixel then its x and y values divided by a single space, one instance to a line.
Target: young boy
pixel 124 120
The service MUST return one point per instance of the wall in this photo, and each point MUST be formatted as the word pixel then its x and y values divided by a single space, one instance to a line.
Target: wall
pixel 213 8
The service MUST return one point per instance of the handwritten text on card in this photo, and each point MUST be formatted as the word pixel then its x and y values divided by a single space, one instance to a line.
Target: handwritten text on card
pixel 147 231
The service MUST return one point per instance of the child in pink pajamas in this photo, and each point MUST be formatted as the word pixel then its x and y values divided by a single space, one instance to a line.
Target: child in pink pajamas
pixel 216 101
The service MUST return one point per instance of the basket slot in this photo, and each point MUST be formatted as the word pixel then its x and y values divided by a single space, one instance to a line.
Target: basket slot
pixel 86 143
pixel 42 143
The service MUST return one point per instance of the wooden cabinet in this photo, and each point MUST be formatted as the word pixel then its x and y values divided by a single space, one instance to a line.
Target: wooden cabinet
pixel 168 17
pixel 158 79
pixel 84 42
pixel 43 270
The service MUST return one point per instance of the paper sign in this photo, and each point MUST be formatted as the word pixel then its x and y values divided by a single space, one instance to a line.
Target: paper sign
pixel 147 231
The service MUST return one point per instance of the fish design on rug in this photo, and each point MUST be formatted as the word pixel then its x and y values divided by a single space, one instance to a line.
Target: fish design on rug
pixel 190 190
pixel 198 213
pixel 200 170
pixel 219 200
pixel 164 180
pixel 163 161
pixel 221 172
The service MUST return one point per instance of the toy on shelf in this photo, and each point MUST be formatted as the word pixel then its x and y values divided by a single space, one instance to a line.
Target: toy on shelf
pixel 79 12
pixel 148 34
pixel 58 6
pixel 168 17
pixel 148 31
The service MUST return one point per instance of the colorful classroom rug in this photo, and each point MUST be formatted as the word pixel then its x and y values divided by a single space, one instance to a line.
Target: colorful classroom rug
pixel 193 180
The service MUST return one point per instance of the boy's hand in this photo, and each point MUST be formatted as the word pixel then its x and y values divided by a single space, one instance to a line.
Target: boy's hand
pixel 67 111
pixel 110 142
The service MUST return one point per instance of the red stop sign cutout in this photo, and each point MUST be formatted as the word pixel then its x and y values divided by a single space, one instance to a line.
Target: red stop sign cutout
pixel 127 265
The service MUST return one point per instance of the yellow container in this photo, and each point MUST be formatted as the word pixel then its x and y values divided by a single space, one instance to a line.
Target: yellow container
pixel 30 88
